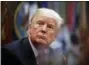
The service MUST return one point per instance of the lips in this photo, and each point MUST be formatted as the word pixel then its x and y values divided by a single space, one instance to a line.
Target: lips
pixel 42 37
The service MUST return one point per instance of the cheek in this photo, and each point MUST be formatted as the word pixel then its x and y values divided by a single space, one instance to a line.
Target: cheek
pixel 30 31
pixel 51 36
pixel 34 30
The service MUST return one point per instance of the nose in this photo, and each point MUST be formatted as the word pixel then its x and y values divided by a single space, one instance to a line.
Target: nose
pixel 44 28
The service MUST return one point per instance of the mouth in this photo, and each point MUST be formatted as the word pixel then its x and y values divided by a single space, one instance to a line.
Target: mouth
pixel 43 37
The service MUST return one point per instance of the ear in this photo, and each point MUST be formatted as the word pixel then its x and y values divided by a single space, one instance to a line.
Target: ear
pixel 28 29
pixel 28 26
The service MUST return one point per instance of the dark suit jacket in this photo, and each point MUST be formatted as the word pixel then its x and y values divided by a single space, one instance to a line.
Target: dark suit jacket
pixel 18 53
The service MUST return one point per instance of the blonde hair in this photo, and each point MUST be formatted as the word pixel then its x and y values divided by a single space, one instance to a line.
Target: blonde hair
pixel 49 13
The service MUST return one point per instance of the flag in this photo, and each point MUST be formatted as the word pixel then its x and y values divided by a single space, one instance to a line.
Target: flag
pixel 55 6
pixel 71 15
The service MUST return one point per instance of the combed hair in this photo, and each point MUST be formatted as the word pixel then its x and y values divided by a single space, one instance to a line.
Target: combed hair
pixel 49 13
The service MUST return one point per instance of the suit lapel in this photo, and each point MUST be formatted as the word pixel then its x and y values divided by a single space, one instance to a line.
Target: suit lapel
pixel 27 53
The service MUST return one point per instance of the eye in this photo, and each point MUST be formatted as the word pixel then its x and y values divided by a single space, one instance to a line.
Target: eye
pixel 50 26
pixel 40 22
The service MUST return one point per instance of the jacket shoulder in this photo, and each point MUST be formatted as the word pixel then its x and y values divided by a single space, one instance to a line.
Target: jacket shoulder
pixel 13 45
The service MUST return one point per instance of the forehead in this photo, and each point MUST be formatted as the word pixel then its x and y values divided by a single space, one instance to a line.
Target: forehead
pixel 44 18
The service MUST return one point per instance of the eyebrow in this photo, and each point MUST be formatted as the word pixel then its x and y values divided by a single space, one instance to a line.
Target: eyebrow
pixel 40 20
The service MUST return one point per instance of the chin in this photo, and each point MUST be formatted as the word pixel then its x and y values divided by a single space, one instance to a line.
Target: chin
pixel 42 42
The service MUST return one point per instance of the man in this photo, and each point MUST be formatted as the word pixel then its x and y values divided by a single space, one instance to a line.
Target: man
pixel 42 29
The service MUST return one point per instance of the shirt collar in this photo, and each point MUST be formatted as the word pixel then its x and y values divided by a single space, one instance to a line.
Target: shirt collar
pixel 34 49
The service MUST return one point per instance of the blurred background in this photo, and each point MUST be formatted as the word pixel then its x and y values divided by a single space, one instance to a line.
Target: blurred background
pixel 72 41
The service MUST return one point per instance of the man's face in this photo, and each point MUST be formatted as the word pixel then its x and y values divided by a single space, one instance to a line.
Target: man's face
pixel 42 30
